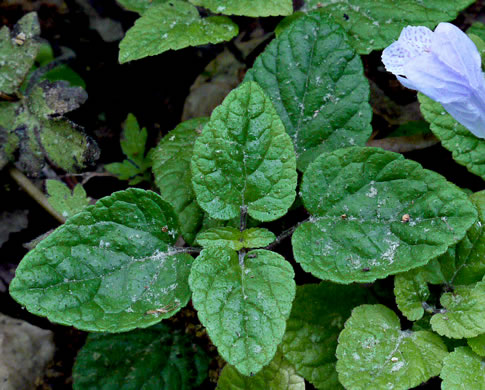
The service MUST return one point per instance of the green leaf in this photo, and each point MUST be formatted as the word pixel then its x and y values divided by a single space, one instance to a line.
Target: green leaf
pixel 234 239
pixel 316 82
pixel 140 6
pixel 244 159
pixel 278 375
pixel 466 149
pixel 478 29
pixel 66 73
pixel 374 352
pixel 373 25
pixel 66 202
pixel 18 49
pixel 46 135
pixel 358 198
pixel 223 237
pixel 463 369
pixel 149 359
pixel 286 22
pixel 460 265
pixel 173 25
pixel 463 313
pixel 171 168
pixel 247 7
pixel 49 99
pixel 9 141
pixel 133 144
pixel 411 290
pixel 317 317
pixel 59 140
pixel 477 34
pixel 411 128
pixel 111 267
pixel 257 237
pixel 477 344
pixel 244 303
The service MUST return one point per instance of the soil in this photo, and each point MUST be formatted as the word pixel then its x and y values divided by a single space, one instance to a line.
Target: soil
pixel 154 90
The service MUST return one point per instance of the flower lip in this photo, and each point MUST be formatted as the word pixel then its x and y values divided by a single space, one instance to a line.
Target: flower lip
pixel 444 65
pixel 413 42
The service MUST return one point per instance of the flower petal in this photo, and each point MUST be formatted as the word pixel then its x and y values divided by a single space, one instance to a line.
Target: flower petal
pixel 470 113
pixel 454 49
pixel 417 40
pixel 430 76
pixel 412 42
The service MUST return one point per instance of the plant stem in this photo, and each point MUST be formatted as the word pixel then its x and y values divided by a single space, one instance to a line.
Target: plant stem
pixel 188 249
pixel 284 235
pixel 431 309
pixel 34 192
pixel 244 218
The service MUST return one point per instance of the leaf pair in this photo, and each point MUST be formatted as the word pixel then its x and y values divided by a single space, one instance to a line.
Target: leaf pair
pixel 133 144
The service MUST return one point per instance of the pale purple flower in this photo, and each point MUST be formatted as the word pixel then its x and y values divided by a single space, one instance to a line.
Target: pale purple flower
pixel 446 66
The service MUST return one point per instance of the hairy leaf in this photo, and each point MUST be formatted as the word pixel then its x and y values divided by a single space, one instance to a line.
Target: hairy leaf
pixel 244 303
pixel 466 149
pixel 244 159
pixel 233 238
pixel 111 267
pixel 18 49
pixel 373 25
pixel 149 359
pixel 463 369
pixel 463 314
pixel 247 7
pixel 66 202
pixel 317 317
pixel 316 82
pixel 278 375
pixel 374 352
pixel 171 168
pixel 375 214
pixel 173 25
